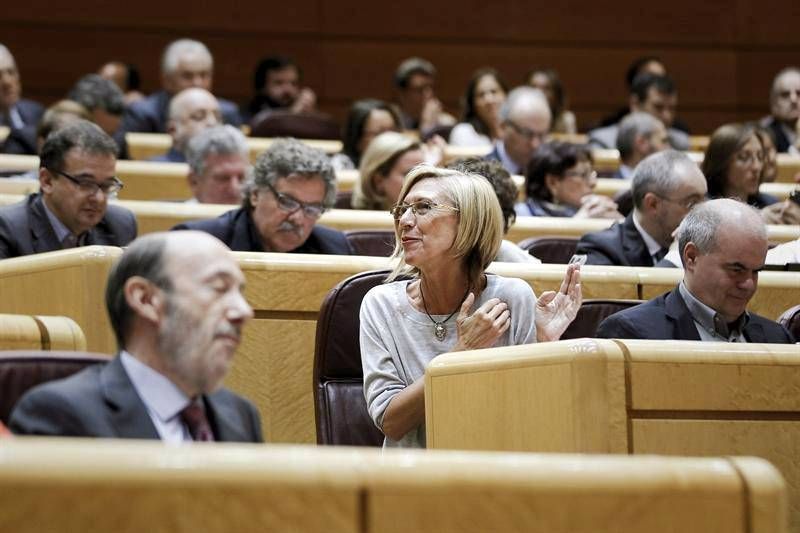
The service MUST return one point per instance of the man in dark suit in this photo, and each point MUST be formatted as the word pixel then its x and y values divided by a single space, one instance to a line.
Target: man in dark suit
pixel 640 134
pixel 20 116
pixel 185 63
pixel 666 185
pixel 176 305
pixel 292 185
pixel 723 247
pixel 784 101
pixel 526 121
pixel 190 112
pixel 76 178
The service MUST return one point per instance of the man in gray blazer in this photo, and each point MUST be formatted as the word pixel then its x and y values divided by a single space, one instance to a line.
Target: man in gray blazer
pixel 176 306
pixel 77 176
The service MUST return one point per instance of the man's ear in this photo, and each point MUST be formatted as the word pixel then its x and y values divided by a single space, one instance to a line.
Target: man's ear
pixel 145 298
pixel 650 201
pixel 690 254
pixel 254 197
pixel 45 180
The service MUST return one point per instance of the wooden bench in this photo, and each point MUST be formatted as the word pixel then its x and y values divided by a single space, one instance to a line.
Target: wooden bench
pixel 32 332
pixel 626 396
pixel 78 485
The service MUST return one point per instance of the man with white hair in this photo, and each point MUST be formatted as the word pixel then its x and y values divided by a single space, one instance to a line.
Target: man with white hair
pixel 784 99
pixel 190 112
pixel 218 165
pixel 640 134
pixel 17 114
pixel 723 244
pixel 525 117
pixel 186 63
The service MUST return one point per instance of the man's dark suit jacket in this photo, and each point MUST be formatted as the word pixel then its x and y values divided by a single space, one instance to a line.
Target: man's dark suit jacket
pixel 101 401
pixel 782 143
pixel 236 229
pixel 23 140
pixel 25 229
pixel 150 115
pixel 621 244
pixel 667 318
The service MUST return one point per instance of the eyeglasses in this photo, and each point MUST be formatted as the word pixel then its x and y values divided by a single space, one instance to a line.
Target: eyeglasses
pixel 747 158
pixel 528 133
pixel 418 208
pixel 290 204
pixel 585 176
pixel 89 187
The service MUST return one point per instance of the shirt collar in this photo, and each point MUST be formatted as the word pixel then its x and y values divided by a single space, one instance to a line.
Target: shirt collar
pixel 709 319
pixel 160 395
pixel 653 247
pixel 625 171
pixel 506 161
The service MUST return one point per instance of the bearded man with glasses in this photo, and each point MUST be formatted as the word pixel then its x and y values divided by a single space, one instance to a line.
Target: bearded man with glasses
pixel 76 179
pixel 292 185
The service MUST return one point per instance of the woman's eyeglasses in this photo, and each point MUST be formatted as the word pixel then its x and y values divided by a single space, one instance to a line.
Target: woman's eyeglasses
pixel 418 208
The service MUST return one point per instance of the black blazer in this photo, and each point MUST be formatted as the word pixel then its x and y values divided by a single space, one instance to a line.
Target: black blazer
pixel 25 228
pixel 236 229
pixel 782 143
pixel 667 318
pixel 150 115
pixel 23 140
pixel 101 401
pixel 621 244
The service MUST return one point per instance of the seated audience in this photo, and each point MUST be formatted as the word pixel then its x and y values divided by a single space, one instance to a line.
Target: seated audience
pixel 18 114
pixel 419 108
pixel 387 160
pixel 640 134
pixel 190 112
pixel 784 99
pixel 770 171
pixel 366 120
pixel 448 229
pixel 548 81
pixel 219 163
pixel 292 185
pixel 77 175
pixel 103 99
pixel 559 183
pixel 506 191
pixel 185 64
pixel 277 86
pixel 652 94
pixel 723 244
pixel 525 117
pixel 126 77
pixel 175 303
pixel 480 124
pixel 666 185
pixel 733 165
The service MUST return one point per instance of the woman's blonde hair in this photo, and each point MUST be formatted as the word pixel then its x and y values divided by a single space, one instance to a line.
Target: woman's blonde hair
pixel 480 220
pixel 379 158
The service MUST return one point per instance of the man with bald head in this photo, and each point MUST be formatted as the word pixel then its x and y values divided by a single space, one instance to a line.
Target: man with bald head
pixel 17 114
pixel 723 245
pixel 784 99
pixel 186 63
pixel 190 112
pixel 175 303
pixel 525 117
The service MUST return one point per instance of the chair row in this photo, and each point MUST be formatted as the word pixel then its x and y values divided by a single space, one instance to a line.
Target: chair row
pixel 30 332
pixel 75 485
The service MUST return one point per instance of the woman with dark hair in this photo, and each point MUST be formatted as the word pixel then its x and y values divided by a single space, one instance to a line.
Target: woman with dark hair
pixel 480 124
pixel 366 120
pixel 547 81
pixel 559 183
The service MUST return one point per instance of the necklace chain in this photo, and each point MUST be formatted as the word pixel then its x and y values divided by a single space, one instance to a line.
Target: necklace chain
pixel 439 329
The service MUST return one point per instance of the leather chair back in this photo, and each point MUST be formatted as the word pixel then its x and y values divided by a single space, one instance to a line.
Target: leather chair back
pixel 557 250
pixel 790 319
pixel 591 313
pixel 341 410
pixel 343 200
pixel 277 123
pixel 371 242
pixel 22 370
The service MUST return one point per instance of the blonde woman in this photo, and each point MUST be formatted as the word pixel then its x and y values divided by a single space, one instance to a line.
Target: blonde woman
pixel 384 164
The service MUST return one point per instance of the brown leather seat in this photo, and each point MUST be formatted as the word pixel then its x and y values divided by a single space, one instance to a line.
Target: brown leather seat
pixel 22 370
pixel 277 123
pixel 556 250
pixel 344 200
pixel 790 319
pixel 591 313
pixel 375 242
pixel 341 410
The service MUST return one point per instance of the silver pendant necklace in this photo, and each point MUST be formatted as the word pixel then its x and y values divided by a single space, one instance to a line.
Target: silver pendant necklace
pixel 439 328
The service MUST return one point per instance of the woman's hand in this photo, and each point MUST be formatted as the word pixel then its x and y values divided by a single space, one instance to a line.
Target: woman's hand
pixel 556 310
pixel 786 212
pixel 598 206
pixel 482 328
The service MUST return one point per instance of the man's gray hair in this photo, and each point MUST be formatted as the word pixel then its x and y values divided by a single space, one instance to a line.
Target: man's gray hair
pixel 5 51
pixel 657 173
pixel 701 225
pixel 632 126
pixel 218 140
pixel 412 65
pixel 176 49
pixel 520 97
pixel 95 92
pixel 289 156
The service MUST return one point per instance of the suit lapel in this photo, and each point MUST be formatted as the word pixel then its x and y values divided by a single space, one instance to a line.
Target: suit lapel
pixel 221 415
pixel 44 236
pixel 127 411
pixel 682 322
pixel 633 245
pixel 754 332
